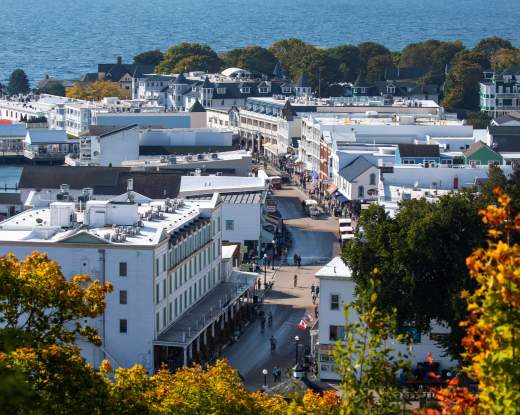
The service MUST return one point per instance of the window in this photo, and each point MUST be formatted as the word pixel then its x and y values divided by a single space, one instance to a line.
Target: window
pixel 123 294
pixel 286 90
pixel 156 266
pixel 361 191
pixel 230 225
pixel 122 269
pixel 164 317
pixel 156 293
pixel 123 326
pixel 164 262
pixel 221 91
pixel 372 179
pixel 334 302
pixel 263 90
pixel 164 288
pixel 170 316
pixel 157 321
pixel 336 332
pixel 245 90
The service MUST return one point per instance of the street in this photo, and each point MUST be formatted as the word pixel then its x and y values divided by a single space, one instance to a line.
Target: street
pixel 315 240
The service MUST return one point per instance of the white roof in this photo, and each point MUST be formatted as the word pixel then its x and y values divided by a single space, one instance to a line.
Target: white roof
pixel 232 71
pixel 193 185
pixel 228 251
pixel 44 136
pixel 335 268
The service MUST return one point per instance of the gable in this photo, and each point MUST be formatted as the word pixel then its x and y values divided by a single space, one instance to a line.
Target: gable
pixel 485 154
pixel 84 238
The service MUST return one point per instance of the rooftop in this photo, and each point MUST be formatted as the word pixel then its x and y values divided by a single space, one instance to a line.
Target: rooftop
pixel 127 223
pixel 335 268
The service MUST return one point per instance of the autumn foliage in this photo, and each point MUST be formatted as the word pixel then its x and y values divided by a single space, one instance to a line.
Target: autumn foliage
pixel 492 341
pixel 96 91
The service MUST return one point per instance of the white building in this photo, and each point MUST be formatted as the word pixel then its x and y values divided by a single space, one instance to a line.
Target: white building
pixel 337 288
pixel 48 145
pixel 500 92
pixel 359 180
pixel 163 258
pixel 107 146
pixel 186 137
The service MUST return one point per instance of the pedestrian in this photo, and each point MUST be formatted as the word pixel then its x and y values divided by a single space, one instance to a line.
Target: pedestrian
pixel 313 298
pixel 317 291
pixel 295 259
pixel 299 261
pixel 259 283
pixel 274 372
pixel 272 340
pixel 316 311
pixel 312 288
pixel 295 280
pixel 279 374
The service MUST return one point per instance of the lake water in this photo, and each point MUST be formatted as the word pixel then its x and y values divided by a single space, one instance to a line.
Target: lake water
pixel 65 38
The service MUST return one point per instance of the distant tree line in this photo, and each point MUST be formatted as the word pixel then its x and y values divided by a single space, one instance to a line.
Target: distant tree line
pixel 451 65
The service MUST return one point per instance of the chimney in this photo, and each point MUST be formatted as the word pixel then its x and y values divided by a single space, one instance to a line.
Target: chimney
pixel 119 60
pixel 130 185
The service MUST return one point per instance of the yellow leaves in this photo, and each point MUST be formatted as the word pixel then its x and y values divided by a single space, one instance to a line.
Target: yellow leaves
pixel 96 91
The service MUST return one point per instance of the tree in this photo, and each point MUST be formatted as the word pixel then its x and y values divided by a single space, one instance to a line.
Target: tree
pixel 462 86
pixel 420 255
pixel 151 57
pixel 321 70
pixel 195 56
pixel 291 52
pixel 491 342
pixel 349 60
pixel 368 365
pixel 478 119
pixel 491 45
pixel 36 299
pixel 506 58
pixel 378 66
pixel 96 91
pixel 369 50
pixel 53 88
pixel 419 55
pixel 253 58
pixel 18 83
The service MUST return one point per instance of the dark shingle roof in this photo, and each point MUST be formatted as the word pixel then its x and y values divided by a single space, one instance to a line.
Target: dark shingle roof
pixel 278 71
pixel 115 71
pixel 197 107
pixel 505 138
pixel 361 82
pixel 354 169
pixel 419 150
pixel 106 130
pixel 104 180
pixel 181 80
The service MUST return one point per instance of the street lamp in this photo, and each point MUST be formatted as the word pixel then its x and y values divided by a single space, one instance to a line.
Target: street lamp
pixel 274 245
pixel 265 271
pixel 264 372
pixel 296 342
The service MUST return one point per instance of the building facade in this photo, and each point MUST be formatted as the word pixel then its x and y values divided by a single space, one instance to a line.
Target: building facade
pixel 500 92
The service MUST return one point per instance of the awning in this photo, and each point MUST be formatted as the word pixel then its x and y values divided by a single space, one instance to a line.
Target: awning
pixel 340 198
pixel 331 189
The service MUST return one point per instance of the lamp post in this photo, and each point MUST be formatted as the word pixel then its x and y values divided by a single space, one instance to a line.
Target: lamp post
pixel 265 271
pixel 274 245
pixel 264 372
pixel 296 342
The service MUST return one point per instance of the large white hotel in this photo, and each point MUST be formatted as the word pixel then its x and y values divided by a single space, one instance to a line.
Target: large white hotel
pixel 173 295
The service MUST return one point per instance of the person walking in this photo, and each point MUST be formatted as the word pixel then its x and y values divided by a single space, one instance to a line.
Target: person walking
pixel 313 287
pixel 295 259
pixel 274 372
pixel 272 340
pixel 316 311
pixel 313 298
pixel 295 280
pixel 317 291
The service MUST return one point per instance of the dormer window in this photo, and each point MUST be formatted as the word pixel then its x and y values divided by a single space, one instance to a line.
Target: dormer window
pixel 390 89
pixel 263 90
pixel 221 91
pixel 286 90
pixel 245 89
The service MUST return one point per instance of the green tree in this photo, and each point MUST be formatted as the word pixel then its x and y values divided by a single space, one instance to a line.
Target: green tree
pixel 368 364
pixel 478 119
pixel 421 258
pixel 349 61
pixel 419 55
pixel 378 66
pixel 54 88
pixel 491 45
pixel 292 52
pixel 151 57
pixel 18 83
pixel 252 58
pixel 321 69
pixel 462 86
pixel 189 56
pixel 369 50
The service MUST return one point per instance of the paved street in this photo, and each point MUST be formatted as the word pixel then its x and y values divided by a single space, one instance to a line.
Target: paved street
pixel 315 240
pixel 251 353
